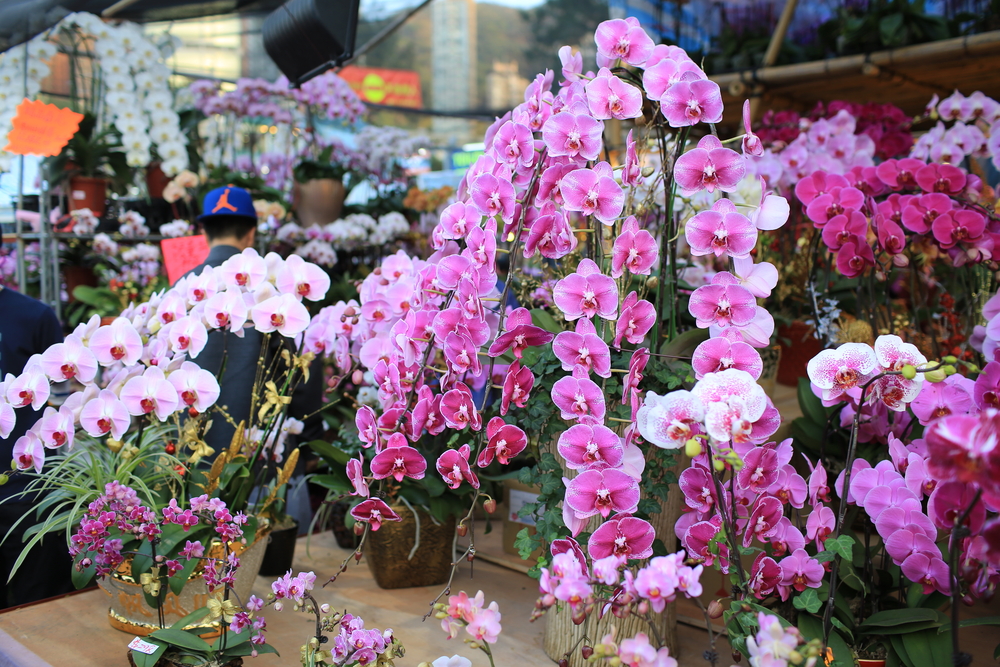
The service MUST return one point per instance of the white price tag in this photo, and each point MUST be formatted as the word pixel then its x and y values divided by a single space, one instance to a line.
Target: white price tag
pixel 142 646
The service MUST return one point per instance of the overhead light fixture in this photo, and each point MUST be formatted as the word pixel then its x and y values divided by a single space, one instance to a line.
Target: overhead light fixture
pixel 307 37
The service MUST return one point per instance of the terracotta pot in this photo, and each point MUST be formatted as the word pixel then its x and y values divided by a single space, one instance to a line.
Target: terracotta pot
pixel 88 192
pixel 863 662
pixel 318 202
pixel 392 558
pixel 130 613
pixel 75 276
pixel 156 180
pixel 108 319
pixel 794 357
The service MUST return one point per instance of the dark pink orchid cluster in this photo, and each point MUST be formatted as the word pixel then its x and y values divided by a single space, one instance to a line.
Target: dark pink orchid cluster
pixel 142 355
pixel 973 131
pixel 917 202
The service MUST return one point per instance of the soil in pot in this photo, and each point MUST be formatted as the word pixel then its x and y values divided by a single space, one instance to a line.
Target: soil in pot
pixel 167 662
pixel 280 549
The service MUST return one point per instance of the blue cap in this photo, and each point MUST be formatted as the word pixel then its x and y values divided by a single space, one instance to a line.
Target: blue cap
pixel 227 201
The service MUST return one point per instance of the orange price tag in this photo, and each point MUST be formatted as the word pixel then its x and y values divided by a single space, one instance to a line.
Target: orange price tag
pixel 41 129
pixel 182 254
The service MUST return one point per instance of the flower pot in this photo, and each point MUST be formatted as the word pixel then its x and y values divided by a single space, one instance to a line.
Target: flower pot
pixel 167 662
pixel 863 662
pixel 346 539
pixel 129 612
pixel 280 551
pixel 76 275
pixel 156 181
pixel 88 192
pixel 392 558
pixel 802 346
pixel 318 202
pixel 771 356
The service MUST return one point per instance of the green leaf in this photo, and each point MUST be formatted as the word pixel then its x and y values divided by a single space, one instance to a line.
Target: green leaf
pixel 148 660
pixel 331 453
pixel 843 628
pixel 195 615
pixel 182 639
pixel 812 406
pixel 83 576
pixel 543 318
pixel 825 556
pixel 893 618
pixel 890 29
pixel 526 543
pixel 985 620
pixel 899 647
pixel 334 482
pixel 684 345
pixel 843 546
pixel 808 600
pixel 181 577
pixel 245 648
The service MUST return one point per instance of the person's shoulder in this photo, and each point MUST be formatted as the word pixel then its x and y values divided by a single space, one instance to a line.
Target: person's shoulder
pixel 24 304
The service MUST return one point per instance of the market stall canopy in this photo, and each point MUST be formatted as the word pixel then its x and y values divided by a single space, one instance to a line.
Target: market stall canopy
pixel 908 76
pixel 20 20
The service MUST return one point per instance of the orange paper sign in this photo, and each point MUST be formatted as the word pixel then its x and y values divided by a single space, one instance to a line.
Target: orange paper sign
pixel 183 254
pixel 41 129
pixel 394 87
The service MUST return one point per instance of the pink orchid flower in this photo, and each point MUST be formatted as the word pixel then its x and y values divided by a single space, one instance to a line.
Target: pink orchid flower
pixel 56 428
pixel 550 184
pixel 630 386
pixel 610 97
pixel 759 471
pixel 105 414
pixel 698 488
pixel 493 196
pixel 961 226
pixel 453 466
pixel 367 425
pixel 8 418
pixel 579 398
pixel 30 388
pixel 593 192
pixel 816 184
pixel 820 524
pixel 550 235
pixel 284 314
pixel 148 393
pixel 692 100
pixel 602 491
pixel 840 371
pixel 698 541
pixel 505 441
pixel 457 219
pixel 69 359
pixel 398 460
pixel 786 538
pixel 583 348
pixel 854 257
pixel 625 536
pixel 718 354
pixel 118 341
pixel 375 512
pixel 622 39
pixel 517 384
pixel 584 446
pixel 709 167
pixel 196 387
pixel 773 210
pixel 766 513
pixel 721 231
pixel 800 571
pixel 173 307
pixel 838 201
pixel 919 213
pixel 930 572
pixel 945 178
pixel 247 269
pixel 201 287
pixel 949 501
pixel 670 421
pixel 458 409
pixel 637 317
pixel 187 334
pixel 657 583
pixel 462 355
pixel 843 228
pixel 733 402
pixel 634 249
pixel 895 390
pixel 632 169
pixel 29 453
pixel 952 397
pixel 574 135
pixel 513 145
pixel 572 64
pixel 520 334
pixel 667 71
pixel 986 391
pixel 752 144
pixel 426 415
pixel 722 305
pixel 356 475
pixel 227 311
pixel 765 575
pixel 586 293
pixel 302 279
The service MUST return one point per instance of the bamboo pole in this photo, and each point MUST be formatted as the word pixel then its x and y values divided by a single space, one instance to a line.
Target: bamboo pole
pixel 773 48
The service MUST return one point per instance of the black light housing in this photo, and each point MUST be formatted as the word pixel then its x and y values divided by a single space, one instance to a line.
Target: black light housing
pixel 307 37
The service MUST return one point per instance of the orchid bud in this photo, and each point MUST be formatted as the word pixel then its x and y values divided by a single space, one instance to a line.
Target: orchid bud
pixel 652 282
pixel 358 376
pixel 324 608
pixel 950 359
pixel 490 505
pixel 357 556
pixel 719 465
pixel 936 375
pixel 114 445
pixel 586 652
pixel 350 311
pixel 564 663
pixel 359 528
pixel 643 608
pixel 692 447
pixel 4 479
pixel 462 529
pixel 900 261
pixel 715 609
pixel 795 657
pixel 472 555
pixel 737 656
pixel 909 372
pixel 949 369
pixel 278 606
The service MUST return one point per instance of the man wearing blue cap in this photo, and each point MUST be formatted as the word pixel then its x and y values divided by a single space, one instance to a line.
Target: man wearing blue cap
pixel 230 224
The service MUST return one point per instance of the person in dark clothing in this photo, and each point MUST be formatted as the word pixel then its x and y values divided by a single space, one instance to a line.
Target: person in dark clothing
pixel 27 327
pixel 230 225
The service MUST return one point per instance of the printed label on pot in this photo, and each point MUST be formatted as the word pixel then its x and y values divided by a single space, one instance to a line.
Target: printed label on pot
pixel 142 646
pixel 79 194
pixel 519 499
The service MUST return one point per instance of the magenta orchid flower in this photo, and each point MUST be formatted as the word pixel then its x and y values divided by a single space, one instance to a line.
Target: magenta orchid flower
pixel 630 386
pixel 602 491
pixel 766 513
pixel 593 192
pixel 752 144
pixel 586 293
pixel 721 231
pixel 513 145
pixel 105 414
pixel 800 571
pixel 284 314
pixel 69 359
pixel 709 167
pixel 584 446
pixel 118 341
pixel 459 410
pixel 29 453
pixel 692 100
pixel 722 306
pixel 196 387
pixel 718 354
pixel 583 348
pixel 579 398
pixel 610 97
pixel 517 384
pixel 520 335
pixel 453 466
pixel 843 228
pixel 550 235
pixel 356 475
pixel 504 442
pixel 462 355
pixel 765 575
pixel 759 471
pixel 820 524
pixel 625 536
pixel 622 39
pixel 578 136
pixel 398 460
pixel 670 421
pixel 374 512
pixel 634 249
pixel 632 168
pixel 367 426
pixel 493 197
pixel 842 370
pixel 943 399
pixel 854 257
pixel 636 319
pixel 150 393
